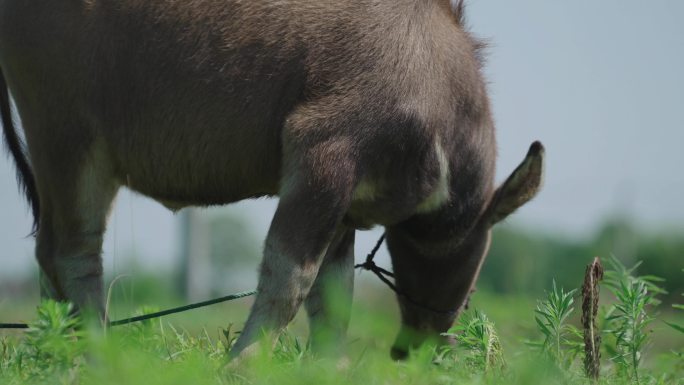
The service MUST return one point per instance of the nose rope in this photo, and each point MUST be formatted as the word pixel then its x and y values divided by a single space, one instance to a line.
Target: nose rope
pixel 382 274
pixel 158 314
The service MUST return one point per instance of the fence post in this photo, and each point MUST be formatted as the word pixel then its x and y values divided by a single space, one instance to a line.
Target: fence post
pixel 195 256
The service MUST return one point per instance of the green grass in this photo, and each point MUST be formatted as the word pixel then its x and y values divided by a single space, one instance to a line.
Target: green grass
pixel 493 345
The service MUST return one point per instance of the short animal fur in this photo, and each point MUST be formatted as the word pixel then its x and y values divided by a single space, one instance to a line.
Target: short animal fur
pixel 354 112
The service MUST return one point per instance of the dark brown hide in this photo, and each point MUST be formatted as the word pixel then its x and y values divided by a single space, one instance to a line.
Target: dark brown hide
pixel 356 113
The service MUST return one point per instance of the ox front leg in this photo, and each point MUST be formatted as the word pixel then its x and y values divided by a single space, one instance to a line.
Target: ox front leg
pixel 329 302
pixel 310 210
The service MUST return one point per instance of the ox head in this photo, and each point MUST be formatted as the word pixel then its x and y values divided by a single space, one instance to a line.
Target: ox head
pixel 435 275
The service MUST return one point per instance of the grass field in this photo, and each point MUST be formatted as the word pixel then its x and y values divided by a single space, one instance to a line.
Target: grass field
pixel 502 340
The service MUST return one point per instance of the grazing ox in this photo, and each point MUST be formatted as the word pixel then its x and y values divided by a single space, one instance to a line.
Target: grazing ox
pixel 354 112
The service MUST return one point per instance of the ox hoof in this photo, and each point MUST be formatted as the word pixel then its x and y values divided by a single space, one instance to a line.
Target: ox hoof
pixel 398 354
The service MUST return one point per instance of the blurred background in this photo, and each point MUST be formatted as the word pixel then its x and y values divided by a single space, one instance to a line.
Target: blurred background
pixel 599 83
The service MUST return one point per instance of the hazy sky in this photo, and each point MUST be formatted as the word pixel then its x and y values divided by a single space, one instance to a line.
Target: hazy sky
pixel 600 83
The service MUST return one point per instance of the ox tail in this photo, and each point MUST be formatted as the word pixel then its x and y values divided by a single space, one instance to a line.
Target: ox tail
pixel 15 147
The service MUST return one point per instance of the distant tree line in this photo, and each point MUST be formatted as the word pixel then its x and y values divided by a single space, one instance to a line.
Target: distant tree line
pixel 524 262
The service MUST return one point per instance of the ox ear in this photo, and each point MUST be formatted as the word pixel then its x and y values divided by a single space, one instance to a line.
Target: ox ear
pixel 523 184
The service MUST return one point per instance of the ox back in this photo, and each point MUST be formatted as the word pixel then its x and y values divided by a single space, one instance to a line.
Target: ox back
pixel 188 100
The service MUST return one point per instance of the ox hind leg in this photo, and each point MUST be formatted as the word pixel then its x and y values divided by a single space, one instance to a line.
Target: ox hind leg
pixel 76 192
pixel 329 302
